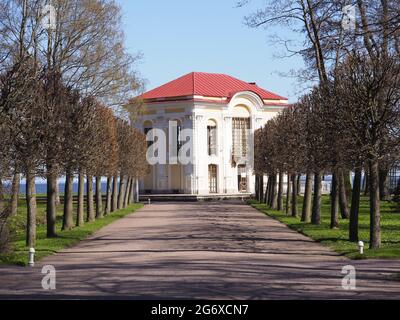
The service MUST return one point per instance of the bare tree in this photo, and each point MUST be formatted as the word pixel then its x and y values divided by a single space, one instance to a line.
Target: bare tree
pixel 372 91
pixel 21 109
pixel 15 190
pixel 107 151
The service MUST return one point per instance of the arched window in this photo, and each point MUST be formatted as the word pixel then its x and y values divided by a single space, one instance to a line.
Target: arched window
pixel 212 137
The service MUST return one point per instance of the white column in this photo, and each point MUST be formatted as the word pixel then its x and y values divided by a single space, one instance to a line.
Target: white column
pixel 193 173
pixel 229 172
pixel 201 169
pixel 189 170
pixel 161 170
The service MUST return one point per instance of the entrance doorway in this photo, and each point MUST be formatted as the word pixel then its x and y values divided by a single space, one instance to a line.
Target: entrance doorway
pixel 213 178
pixel 242 178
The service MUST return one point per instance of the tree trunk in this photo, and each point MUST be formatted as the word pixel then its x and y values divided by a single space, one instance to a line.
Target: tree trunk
pixel 367 183
pixel 257 195
pixel 306 213
pixel 109 193
pixel 261 188
pixel 68 219
pixel 269 188
pixel 99 199
pixel 132 191
pixel 274 203
pixel 114 203
pixel 384 184
pixel 288 194
pixel 257 187
pixel 89 201
pixel 127 190
pixel 271 191
pixel 294 196
pixel 335 201
pixel 15 194
pixel 344 206
pixel 355 206
pixel 274 192
pixel 81 200
pixel 316 210
pixel 122 185
pixel 375 210
pixel 51 209
pixel 1 195
pixel 299 185
pixel 280 192
pixel 348 188
pixel 31 210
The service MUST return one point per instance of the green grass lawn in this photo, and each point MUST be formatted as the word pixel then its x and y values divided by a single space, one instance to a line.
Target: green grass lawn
pixel 338 239
pixel 18 254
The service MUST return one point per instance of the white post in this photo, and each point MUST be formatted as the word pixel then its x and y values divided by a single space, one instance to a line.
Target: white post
pixel 361 247
pixel 31 257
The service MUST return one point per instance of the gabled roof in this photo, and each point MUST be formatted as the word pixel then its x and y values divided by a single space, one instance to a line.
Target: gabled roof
pixel 206 85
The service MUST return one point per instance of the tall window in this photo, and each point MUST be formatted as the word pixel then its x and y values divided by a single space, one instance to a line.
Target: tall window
pixel 212 138
pixel 241 128
pixel 213 178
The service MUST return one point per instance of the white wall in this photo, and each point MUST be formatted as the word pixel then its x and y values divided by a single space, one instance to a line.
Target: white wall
pixel 196 116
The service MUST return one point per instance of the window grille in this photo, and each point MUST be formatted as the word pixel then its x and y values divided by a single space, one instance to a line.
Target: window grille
pixel 212 140
pixel 212 178
pixel 241 127
pixel 394 178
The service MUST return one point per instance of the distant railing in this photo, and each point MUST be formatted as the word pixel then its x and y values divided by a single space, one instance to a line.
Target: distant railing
pixel 326 187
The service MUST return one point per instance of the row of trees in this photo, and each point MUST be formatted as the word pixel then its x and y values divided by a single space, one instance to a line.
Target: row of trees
pixel 322 134
pixel 64 74
pixel 350 120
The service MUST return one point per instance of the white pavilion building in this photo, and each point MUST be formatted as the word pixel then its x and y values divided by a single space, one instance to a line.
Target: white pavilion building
pixel 222 112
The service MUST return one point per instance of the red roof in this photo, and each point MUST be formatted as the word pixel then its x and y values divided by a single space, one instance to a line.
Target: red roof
pixel 207 85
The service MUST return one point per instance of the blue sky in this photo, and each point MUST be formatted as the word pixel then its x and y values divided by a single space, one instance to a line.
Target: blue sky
pixel 180 36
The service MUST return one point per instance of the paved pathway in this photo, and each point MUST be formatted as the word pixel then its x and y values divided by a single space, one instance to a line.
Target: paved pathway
pixel 200 251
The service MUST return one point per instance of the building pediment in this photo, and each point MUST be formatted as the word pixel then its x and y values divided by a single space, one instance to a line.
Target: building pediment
pixel 247 98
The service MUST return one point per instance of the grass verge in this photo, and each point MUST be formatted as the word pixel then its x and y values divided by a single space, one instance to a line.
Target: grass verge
pixel 18 254
pixel 337 239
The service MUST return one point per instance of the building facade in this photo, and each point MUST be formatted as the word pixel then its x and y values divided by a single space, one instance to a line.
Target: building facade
pixel 222 114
